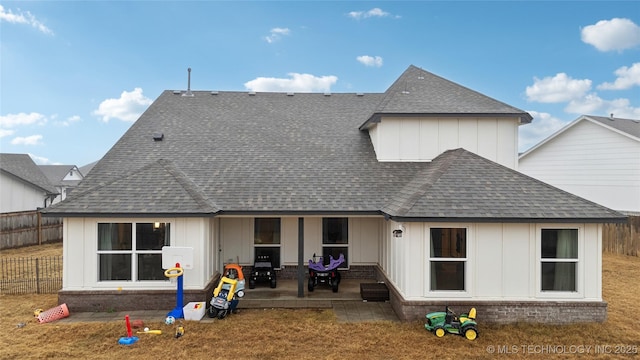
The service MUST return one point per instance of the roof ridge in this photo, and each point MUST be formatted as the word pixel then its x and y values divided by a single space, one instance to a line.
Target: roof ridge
pixel 423 180
pixel 167 165
pixel 188 185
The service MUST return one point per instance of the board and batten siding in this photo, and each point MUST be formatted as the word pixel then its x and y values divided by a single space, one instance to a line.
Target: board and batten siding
pixel 80 246
pixel 424 138
pixel 237 239
pixel 590 161
pixel 503 262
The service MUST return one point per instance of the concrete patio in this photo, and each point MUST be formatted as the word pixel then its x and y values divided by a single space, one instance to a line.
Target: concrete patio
pixel 347 304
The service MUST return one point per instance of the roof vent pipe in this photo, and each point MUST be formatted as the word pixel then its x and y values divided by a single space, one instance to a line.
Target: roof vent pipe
pixel 188 93
pixel 611 116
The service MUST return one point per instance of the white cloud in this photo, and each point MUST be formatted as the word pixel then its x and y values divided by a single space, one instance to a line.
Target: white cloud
pixel 27 140
pixel 375 12
pixel 12 120
pixel 621 108
pixel 589 104
pixel 297 83
pixel 69 121
pixel 23 18
pixel 128 107
pixel 542 126
pixel 592 104
pixel 276 33
pixel 627 78
pixel 559 88
pixel 370 60
pixel 5 132
pixel 615 34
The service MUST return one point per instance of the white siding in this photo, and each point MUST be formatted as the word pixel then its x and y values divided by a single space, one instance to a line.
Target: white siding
pixel 81 245
pixel 236 235
pixel 592 162
pixel 17 195
pixel 503 262
pixel 424 138
pixel 364 239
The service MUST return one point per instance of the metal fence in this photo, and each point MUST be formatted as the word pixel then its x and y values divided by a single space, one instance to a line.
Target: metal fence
pixel 31 275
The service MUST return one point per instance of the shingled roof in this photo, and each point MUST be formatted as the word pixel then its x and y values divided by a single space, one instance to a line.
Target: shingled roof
pixel 276 153
pixel 462 185
pixel 418 91
pixel 22 167
pixel 628 126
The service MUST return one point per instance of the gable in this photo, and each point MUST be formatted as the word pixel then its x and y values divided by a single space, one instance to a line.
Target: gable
pixel 422 115
pixel 622 128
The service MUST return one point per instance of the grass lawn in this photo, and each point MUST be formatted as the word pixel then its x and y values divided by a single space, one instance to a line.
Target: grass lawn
pixel 315 334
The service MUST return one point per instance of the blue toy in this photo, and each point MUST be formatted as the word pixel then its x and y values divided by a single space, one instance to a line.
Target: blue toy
pixel 177 271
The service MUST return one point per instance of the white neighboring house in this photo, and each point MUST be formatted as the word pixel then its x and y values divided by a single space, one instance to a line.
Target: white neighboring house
pixel 23 186
pixel 63 177
pixel 594 157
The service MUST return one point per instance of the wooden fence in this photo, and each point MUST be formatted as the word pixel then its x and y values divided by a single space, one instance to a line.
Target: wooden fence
pixel 28 228
pixel 31 275
pixel 623 239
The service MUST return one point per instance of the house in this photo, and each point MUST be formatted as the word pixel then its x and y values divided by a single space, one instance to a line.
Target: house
pixel 416 186
pixel 84 170
pixel 63 177
pixel 594 157
pixel 23 185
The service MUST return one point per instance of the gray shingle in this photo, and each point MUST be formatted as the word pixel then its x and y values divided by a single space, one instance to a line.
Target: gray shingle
pixel 23 167
pixel 235 153
pixel 629 126
pixel 420 92
pixel 462 185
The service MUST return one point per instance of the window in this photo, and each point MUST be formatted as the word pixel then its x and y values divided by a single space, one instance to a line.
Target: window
pixel 559 259
pixel 335 240
pixel 126 255
pixel 267 239
pixel 447 259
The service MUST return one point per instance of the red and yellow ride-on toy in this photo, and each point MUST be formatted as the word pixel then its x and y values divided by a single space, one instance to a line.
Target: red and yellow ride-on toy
pixel 226 295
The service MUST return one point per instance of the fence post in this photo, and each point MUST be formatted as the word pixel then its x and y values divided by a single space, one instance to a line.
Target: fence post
pixel 39 228
pixel 37 276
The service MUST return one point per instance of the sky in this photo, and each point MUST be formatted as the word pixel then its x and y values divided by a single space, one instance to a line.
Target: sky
pixel 75 75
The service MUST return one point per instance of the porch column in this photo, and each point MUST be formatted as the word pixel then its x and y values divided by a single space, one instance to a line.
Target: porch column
pixel 300 257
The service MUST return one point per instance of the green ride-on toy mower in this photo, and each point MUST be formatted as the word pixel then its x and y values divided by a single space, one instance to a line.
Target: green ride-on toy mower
pixel 447 322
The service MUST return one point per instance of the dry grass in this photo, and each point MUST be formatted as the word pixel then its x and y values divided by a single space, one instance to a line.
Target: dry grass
pixel 315 334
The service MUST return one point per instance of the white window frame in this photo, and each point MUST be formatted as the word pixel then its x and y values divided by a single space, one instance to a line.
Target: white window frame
pixel 466 260
pixel 133 251
pixel 579 293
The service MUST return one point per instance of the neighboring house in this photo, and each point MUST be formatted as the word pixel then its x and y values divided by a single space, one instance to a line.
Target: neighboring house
pixel 23 185
pixel 594 157
pixel 63 177
pixel 416 186
pixel 84 170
